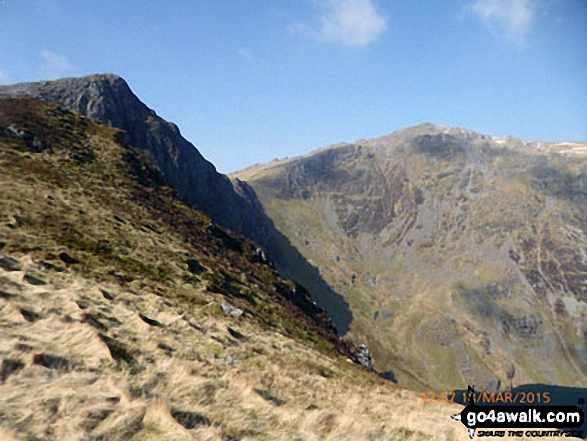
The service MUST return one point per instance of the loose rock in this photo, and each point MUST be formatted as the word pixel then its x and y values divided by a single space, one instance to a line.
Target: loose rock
pixel 231 310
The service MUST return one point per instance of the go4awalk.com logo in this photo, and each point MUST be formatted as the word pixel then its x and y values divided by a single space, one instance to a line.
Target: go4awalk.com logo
pixel 518 420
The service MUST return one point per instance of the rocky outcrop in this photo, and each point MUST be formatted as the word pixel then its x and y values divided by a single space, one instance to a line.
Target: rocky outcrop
pixel 363 355
pixel 109 99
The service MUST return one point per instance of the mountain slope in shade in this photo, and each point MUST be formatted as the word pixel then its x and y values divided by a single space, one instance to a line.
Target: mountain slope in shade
pixel 463 257
pixel 109 99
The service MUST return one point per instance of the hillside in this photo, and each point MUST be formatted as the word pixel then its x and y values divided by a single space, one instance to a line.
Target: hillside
pixel 126 314
pixel 109 99
pixel 462 256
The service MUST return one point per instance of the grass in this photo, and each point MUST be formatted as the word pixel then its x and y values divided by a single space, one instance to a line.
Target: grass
pixel 85 199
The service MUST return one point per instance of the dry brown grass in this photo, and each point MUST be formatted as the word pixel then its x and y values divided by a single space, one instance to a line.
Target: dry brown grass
pixel 279 389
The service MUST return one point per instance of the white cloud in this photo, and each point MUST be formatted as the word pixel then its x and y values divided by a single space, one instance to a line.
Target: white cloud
pixel 55 65
pixel 512 18
pixel 347 22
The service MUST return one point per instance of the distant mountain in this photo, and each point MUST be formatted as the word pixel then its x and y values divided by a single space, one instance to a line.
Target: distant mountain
pixel 108 98
pixel 463 257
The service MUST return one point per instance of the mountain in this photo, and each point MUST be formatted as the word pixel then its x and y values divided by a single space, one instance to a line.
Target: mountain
pixel 463 257
pixel 126 314
pixel 108 99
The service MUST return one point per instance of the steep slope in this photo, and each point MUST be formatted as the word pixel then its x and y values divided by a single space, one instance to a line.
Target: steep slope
pixel 125 314
pixel 109 99
pixel 463 257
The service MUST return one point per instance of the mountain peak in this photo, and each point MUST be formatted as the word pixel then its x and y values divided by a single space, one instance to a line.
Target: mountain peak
pixel 428 128
pixel 37 87
pixel 105 97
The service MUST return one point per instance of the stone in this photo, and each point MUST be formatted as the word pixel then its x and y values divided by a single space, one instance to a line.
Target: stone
pixel 31 141
pixel 363 355
pixel 231 310
pixel 229 360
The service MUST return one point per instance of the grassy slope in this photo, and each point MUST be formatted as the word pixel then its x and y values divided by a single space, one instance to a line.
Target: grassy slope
pixel 129 343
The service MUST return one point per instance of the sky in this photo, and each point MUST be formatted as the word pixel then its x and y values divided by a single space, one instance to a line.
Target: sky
pixel 253 80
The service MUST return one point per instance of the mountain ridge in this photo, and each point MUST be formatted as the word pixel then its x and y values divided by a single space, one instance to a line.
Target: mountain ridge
pixel 472 243
pixel 427 128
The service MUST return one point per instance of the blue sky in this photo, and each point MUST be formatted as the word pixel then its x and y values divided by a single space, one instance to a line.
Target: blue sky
pixel 248 81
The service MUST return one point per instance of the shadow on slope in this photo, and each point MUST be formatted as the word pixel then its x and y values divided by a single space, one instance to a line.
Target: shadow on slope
pixel 293 264
pixel 109 99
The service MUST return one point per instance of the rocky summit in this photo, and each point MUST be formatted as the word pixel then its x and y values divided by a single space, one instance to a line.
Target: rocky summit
pixel 462 256
pixel 108 99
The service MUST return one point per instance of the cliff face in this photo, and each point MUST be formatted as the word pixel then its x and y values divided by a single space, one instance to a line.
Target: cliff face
pixel 462 256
